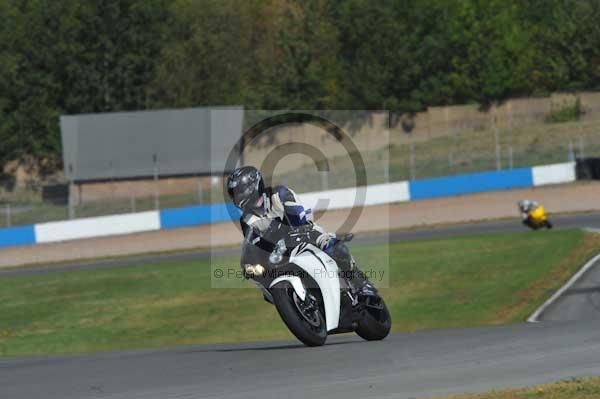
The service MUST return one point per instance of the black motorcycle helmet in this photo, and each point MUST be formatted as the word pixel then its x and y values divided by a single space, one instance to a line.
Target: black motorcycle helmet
pixel 245 187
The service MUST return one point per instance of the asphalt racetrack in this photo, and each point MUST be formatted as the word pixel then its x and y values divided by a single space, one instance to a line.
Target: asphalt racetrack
pixel 405 365
pixel 581 301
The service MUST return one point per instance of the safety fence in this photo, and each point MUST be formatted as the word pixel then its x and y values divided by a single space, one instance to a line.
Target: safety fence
pixel 388 154
pixel 319 201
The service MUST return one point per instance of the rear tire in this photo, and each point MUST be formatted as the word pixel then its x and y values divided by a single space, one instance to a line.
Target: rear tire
pixel 310 333
pixel 549 224
pixel 376 323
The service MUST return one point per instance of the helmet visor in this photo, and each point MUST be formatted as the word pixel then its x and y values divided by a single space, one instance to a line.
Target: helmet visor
pixel 244 197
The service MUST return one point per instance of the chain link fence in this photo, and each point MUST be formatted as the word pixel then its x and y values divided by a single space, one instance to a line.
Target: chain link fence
pixel 39 202
pixel 406 158
pixel 494 149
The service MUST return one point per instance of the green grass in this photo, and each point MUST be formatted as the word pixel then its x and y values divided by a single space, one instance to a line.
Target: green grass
pixel 586 388
pixel 432 284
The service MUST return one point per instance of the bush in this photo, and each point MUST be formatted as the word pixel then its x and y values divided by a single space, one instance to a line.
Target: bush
pixel 567 113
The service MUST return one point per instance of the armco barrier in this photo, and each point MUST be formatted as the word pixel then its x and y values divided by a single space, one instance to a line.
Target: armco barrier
pixel 333 199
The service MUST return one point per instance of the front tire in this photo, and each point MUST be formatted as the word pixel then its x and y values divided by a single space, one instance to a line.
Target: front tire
pixel 308 326
pixel 376 323
pixel 549 224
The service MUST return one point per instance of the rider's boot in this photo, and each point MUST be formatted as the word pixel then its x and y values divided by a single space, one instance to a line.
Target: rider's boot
pixel 359 284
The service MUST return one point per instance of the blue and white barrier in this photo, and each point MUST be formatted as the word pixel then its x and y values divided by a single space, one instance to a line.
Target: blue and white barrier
pixel 20 235
pixel 97 227
pixel 334 199
pixel 553 174
pixel 471 183
pixel 376 194
pixel 197 215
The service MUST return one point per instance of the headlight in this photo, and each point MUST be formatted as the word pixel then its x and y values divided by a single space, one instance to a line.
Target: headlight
pixel 259 270
pixel 277 255
pixel 256 270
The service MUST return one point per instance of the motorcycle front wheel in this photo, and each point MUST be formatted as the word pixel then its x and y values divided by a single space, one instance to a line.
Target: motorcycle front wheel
pixel 303 318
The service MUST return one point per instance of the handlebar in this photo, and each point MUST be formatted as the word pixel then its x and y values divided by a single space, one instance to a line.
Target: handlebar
pixel 293 235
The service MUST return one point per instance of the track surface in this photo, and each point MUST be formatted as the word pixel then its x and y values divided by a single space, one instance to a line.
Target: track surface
pixel 407 365
pixel 580 302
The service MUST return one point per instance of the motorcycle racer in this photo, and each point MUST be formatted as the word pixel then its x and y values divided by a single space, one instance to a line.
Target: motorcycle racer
pixel 526 206
pixel 534 215
pixel 262 205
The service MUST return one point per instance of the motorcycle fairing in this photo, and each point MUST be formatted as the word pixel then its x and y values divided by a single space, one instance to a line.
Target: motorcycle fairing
pixel 323 269
pixel 296 284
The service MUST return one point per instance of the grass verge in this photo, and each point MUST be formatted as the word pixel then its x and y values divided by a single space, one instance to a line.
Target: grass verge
pixel 587 388
pixel 441 283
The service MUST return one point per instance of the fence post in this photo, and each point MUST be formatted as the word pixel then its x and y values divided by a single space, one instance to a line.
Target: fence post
pixel 71 205
pixel 8 218
pixel 411 160
pixel 156 186
pixel 112 179
pixel 200 191
pixel 132 200
pixel 510 157
pixel 498 155
pixel 581 146
pixel 571 155
pixel 386 170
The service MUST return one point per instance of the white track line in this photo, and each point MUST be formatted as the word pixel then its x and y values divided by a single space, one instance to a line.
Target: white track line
pixel 534 317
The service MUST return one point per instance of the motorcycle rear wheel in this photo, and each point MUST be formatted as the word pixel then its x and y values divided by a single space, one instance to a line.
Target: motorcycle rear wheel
pixel 308 326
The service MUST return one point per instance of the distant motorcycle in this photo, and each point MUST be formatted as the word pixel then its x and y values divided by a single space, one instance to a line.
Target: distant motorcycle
pixel 310 292
pixel 537 218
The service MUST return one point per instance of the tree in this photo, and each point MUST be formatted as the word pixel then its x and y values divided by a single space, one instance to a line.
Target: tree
pixel 263 54
pixel 566 35
pixel 71 57
pixel 492 52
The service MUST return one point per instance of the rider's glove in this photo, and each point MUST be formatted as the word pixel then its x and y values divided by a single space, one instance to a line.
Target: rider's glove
pixel 325 240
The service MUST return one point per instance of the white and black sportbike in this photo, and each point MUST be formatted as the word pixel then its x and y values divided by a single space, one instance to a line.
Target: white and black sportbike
pixel 313 296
